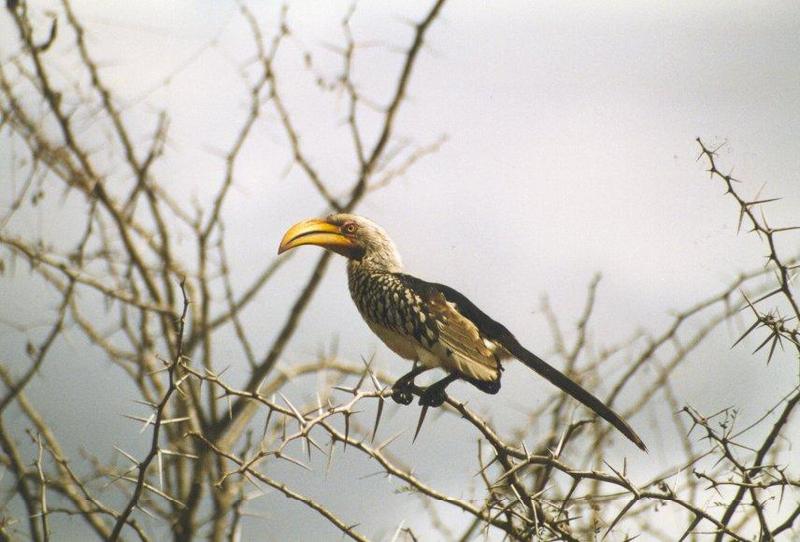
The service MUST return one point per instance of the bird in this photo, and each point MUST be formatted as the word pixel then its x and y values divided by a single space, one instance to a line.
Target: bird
pixel 430 324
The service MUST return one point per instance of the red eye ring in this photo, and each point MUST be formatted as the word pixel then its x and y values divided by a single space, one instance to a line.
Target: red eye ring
pixel 349 227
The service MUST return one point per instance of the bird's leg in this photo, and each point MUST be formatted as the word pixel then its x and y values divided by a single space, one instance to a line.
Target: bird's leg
pixel 403 388
pixel 434 395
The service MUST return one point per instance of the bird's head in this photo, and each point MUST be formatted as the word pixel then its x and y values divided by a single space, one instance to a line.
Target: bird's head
pixel 355 237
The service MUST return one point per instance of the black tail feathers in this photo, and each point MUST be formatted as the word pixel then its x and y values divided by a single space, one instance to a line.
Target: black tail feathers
pixel 561 380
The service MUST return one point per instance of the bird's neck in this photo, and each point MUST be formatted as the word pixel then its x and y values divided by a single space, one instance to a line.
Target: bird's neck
pixel 373 266
pixel 381 258
pixel 364 274
pixel 366 282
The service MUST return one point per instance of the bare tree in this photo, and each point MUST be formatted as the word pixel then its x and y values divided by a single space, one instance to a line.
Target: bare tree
pixel 147 280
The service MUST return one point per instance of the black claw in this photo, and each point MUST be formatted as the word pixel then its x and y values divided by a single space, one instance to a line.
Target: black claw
pixel 402 396
pixel 432 397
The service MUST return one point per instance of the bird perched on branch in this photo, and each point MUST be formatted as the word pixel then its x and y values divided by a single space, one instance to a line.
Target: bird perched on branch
pixel 430 324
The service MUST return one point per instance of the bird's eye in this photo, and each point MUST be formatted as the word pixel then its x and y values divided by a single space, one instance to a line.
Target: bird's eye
pixel 350 228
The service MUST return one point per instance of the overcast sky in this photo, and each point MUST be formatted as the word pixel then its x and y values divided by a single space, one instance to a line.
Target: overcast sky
pixel 570 150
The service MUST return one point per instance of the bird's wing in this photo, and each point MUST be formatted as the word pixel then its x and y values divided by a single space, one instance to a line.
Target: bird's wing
pixel 461 344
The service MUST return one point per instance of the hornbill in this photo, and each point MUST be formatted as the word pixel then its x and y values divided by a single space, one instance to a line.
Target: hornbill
pixel 431 324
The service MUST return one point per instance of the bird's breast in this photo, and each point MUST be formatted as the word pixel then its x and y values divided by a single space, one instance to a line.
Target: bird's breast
pixel 390 306
pixel 398 343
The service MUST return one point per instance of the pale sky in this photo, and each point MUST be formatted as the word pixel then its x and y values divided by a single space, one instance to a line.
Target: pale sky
pixel 570 150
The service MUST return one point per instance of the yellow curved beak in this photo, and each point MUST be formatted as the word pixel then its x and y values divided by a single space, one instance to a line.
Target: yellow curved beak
pixel 316 232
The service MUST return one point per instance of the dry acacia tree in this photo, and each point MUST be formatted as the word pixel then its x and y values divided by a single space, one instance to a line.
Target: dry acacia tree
pixel 145 280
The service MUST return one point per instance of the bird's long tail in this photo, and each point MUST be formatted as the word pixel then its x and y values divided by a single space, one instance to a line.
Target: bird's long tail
pixel 574 389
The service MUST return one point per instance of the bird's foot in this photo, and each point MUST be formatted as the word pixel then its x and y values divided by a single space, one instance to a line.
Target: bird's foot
pixel 434 396
pixel 402 393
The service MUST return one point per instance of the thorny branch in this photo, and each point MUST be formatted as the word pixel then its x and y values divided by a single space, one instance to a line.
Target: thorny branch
pixel 173 377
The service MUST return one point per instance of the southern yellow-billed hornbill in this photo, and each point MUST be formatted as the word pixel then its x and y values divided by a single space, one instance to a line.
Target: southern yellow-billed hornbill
pixel 428 323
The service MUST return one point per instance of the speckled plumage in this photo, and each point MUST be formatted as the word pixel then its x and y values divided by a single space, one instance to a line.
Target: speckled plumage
pixel 387 299
pixel 416 320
